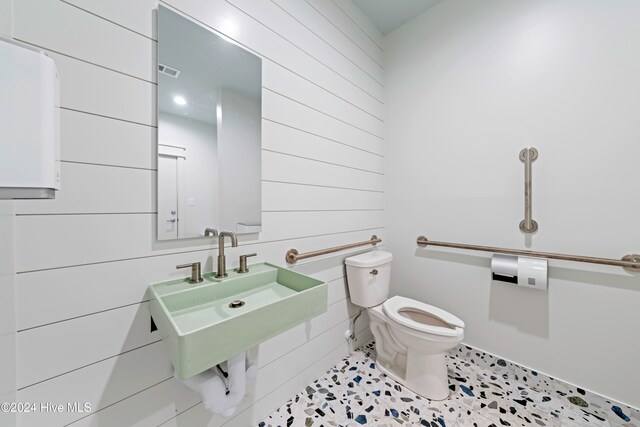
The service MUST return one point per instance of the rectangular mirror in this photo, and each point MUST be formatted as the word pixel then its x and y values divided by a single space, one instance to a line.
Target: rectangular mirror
pixel 209 132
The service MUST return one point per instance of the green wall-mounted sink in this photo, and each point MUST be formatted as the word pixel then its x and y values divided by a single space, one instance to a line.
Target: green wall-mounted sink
pixel 201 328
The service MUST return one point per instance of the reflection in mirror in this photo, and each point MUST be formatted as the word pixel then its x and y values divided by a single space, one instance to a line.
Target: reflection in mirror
pixel 209 132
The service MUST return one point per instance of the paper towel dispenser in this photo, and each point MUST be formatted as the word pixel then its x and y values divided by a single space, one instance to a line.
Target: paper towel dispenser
pixel 29 123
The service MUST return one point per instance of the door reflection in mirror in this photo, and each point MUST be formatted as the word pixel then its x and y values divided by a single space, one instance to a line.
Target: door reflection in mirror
pixel 209 132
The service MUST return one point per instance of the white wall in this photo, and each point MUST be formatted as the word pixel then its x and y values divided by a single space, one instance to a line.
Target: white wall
pixel 5 18
pixel 7 310
pixel 85 260
pixel 469 84
pixel 199 139
pixel 240 158
pixel 7 277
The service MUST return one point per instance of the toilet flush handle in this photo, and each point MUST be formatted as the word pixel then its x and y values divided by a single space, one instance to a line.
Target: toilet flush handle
pixel 373 272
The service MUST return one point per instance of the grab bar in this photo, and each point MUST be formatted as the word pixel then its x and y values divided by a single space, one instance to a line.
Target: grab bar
pixel 528 224
pixel 292 254
pixel 631 261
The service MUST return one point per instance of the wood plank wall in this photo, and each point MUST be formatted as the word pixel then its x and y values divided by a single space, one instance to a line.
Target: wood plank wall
pixel 85 260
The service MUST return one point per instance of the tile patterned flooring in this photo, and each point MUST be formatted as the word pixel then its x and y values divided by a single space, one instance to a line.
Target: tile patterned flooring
pixel 485 391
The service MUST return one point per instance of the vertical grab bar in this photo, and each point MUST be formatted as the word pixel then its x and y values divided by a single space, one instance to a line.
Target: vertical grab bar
pixel 528 155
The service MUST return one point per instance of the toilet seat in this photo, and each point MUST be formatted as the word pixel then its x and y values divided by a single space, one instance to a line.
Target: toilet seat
pixel 442 323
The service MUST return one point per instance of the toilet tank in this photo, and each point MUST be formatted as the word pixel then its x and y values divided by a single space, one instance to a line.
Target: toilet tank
pixel 368 276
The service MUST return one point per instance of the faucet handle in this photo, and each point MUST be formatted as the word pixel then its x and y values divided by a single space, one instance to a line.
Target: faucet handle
pixel 243 263
pixel 196 272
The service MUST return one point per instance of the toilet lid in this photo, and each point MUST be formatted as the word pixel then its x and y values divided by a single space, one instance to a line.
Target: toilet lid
pixel 422 317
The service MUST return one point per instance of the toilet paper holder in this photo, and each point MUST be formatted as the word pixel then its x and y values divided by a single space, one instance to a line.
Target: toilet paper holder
pixel 526 272
pixel 504 268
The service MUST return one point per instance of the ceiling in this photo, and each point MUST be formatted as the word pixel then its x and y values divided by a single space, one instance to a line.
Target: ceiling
pixel 388 15
pixel 207 63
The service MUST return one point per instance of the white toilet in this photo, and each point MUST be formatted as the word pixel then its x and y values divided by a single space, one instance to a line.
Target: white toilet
pixel 411 337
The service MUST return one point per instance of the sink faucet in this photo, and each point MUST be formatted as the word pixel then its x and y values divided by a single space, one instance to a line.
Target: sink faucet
pixel 222 267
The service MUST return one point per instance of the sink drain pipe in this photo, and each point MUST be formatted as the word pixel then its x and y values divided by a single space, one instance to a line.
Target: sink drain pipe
pixel 217 396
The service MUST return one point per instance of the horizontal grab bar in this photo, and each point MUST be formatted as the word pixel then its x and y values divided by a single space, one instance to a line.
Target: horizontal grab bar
pixel 293 255
pixel 631 261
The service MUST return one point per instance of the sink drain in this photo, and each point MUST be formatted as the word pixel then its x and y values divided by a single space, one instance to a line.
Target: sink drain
pixel 235 304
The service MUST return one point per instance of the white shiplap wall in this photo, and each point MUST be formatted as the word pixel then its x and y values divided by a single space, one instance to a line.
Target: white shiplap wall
pixel 7 277
pixel 85 260
pixel 7 308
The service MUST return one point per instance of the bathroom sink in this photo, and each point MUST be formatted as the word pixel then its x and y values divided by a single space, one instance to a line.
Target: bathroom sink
pixel 202 328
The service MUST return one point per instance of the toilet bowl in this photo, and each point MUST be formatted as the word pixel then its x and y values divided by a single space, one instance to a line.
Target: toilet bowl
pixel 411 337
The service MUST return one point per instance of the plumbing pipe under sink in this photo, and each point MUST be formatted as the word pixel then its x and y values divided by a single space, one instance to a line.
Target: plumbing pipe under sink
pixel 211 387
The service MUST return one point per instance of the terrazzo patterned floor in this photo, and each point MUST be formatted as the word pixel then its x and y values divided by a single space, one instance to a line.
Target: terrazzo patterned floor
pixel 485 391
